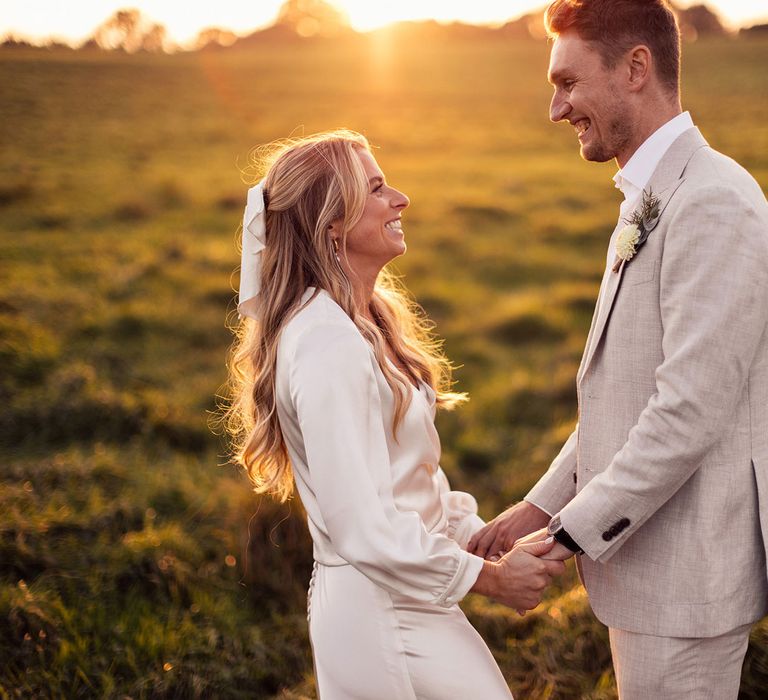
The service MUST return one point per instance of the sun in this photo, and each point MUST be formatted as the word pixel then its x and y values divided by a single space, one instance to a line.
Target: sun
pixel 365 16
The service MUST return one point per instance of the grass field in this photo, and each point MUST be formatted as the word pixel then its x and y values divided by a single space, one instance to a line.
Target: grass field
pixel 133 562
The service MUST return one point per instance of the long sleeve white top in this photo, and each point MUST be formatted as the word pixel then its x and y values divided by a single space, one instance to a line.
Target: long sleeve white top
pixel 375 501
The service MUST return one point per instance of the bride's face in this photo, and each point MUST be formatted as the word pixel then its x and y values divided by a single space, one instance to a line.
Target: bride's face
pixel 378 236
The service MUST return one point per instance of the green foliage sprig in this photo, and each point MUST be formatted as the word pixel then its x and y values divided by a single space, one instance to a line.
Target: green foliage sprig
pixel 639 226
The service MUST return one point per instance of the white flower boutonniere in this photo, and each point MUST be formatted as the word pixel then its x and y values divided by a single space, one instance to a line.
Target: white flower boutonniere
pixel 626 241
pixel 635 233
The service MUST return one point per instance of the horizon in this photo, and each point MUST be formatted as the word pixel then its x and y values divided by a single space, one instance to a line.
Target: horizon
pixel 76 22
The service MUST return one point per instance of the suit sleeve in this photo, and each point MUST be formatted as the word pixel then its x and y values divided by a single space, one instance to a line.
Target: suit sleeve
pixel 336 396
pixel 558 485
pixel 714 310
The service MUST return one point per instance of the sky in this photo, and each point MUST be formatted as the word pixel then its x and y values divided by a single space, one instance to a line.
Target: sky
pixel 74 20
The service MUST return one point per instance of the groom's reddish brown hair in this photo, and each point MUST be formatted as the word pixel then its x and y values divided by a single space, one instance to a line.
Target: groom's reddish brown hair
pixel 615 26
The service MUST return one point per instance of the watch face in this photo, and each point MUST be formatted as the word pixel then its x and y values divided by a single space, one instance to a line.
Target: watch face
pixel 554 525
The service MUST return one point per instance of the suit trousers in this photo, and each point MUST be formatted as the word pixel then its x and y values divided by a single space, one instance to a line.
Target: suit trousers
pixel 678 668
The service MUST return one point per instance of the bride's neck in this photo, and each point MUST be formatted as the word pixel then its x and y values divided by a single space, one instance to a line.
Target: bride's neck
pixel 362 290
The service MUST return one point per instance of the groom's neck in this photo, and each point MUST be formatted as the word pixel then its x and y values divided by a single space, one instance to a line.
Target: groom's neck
pixel 648 118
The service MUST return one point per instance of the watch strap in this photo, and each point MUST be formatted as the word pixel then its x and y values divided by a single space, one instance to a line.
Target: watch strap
pixel 566 540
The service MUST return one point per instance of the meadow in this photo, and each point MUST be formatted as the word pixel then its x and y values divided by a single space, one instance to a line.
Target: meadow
pixel 134 561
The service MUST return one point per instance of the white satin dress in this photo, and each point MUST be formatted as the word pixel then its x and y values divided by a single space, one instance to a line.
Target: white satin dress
pixel 388 534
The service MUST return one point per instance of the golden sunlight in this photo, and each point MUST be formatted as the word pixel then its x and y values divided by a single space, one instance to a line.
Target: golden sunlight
pixel 364 15
pixel 76 20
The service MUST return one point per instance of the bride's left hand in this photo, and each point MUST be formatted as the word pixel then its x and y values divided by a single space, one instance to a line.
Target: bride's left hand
pixel 558 551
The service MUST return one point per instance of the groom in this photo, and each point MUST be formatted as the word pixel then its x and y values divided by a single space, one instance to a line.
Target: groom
pixel 662 489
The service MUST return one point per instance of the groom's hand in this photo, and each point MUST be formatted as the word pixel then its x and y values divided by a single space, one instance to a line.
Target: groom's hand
pixel 505 529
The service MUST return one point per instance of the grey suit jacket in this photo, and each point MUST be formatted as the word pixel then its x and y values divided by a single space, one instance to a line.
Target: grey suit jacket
pixel 664 482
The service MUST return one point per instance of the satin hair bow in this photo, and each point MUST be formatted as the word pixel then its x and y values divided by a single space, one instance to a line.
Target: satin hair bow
pixel 254 241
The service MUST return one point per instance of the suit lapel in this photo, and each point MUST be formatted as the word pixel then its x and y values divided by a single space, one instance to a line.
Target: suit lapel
pixel 597 315
pixel 664 182
pixel 608 289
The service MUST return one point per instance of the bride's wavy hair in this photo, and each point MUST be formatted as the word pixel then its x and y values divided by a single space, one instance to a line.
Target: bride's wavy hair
pixel 309 183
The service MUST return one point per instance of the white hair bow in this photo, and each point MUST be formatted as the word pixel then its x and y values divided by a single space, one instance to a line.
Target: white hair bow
pixel 254 241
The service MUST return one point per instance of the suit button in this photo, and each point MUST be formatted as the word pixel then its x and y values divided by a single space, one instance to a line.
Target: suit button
pixel 615 530
pixel 574 477
pixel 624 523
pixel 607 536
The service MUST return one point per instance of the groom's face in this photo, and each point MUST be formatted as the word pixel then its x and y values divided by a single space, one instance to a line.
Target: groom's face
pixel 589 96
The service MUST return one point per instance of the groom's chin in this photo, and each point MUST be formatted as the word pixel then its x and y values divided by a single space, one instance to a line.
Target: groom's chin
pixel 595 155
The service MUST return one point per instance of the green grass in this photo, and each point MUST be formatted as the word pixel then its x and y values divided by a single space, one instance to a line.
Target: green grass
pixel 132 564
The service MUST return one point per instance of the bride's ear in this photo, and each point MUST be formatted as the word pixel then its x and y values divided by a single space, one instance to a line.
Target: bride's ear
pixel 335 233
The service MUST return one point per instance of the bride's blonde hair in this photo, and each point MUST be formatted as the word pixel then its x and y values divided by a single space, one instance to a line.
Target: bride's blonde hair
pixel 310 183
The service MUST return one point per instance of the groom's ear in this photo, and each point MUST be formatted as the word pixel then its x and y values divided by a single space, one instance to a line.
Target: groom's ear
pixel 638 62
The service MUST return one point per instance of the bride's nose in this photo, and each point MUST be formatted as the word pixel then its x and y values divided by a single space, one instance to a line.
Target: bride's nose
pixel 399 199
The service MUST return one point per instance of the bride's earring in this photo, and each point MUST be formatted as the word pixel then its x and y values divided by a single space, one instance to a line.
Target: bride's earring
pixel 335 243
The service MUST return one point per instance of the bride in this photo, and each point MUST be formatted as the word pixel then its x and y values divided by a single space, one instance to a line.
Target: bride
pixel 336 380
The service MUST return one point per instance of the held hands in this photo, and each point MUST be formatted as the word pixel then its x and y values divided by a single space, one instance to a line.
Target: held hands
pixel 558 552
pixel 505 529
pixel 519 578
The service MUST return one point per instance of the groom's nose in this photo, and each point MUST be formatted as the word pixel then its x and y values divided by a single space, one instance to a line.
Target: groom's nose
pixel 559 107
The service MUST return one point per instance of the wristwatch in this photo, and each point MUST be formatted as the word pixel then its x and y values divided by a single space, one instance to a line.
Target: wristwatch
pixel 556 530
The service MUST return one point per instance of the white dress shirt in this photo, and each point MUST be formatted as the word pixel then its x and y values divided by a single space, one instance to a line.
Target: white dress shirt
pixel 635 175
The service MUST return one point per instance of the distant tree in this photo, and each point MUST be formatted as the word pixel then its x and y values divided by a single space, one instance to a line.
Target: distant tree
pixel 213 36
pixel 756 30
pixel 53 45
pixel 120 31
pixel 525 27
pixel 309 18
pixel 699 20
pixel 154 39
pixel 129 30
pixel 11 42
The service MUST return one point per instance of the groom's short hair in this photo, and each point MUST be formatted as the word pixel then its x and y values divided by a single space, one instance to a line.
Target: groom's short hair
pixel 615 26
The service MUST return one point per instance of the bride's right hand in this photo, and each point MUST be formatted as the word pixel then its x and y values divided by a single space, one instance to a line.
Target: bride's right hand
pixel 519 578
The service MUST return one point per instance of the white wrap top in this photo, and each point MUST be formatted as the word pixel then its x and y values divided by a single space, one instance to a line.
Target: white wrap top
pixel 379 503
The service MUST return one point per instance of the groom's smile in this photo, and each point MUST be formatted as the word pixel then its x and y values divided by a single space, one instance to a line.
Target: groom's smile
pixel 581 127
pixel 587 94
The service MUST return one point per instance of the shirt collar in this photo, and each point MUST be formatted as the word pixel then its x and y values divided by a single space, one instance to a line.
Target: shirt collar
pixel 634 176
